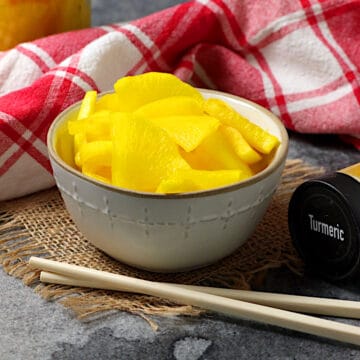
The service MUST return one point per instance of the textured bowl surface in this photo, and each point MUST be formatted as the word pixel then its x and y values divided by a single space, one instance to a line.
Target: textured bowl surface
pixel 169 233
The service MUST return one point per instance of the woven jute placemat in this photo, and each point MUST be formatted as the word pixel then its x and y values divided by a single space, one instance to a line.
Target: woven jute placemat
pixel 39 225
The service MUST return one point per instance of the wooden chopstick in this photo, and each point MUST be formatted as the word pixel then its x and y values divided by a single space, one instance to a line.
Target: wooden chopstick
pixel 304 304
pixel 230 307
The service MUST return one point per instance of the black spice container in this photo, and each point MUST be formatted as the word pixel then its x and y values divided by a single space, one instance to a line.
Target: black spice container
pixel 324 223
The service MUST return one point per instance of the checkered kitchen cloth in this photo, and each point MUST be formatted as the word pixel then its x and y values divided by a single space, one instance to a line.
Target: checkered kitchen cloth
pixel 299 58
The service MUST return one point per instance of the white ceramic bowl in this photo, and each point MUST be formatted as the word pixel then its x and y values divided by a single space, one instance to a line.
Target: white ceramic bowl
pixel 170 233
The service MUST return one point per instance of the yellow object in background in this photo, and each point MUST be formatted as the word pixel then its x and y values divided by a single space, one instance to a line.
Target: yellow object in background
pixel 26 20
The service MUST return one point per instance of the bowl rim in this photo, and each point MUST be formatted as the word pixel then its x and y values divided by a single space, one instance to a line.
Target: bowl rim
pixel 277 162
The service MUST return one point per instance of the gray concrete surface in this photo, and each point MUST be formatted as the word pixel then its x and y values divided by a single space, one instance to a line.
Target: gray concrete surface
pixel 32 328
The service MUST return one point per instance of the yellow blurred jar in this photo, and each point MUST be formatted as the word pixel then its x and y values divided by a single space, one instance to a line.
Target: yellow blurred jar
pixel 26 20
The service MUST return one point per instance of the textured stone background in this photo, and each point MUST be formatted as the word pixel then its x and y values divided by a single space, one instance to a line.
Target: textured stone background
pixel 32 328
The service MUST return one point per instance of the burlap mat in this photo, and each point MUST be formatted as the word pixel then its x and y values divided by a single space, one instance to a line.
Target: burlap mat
pixel 39 225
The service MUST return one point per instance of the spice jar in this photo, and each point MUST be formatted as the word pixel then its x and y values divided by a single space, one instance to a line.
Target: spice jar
pixel 324 223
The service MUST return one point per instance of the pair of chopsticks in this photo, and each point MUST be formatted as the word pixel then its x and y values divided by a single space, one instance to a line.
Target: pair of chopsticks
pixel 268 308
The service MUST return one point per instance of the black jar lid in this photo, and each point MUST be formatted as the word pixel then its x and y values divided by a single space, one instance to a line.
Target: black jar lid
pixel 324 224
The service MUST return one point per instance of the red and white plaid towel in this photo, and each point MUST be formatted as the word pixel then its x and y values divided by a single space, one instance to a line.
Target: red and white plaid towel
pixel 299 58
